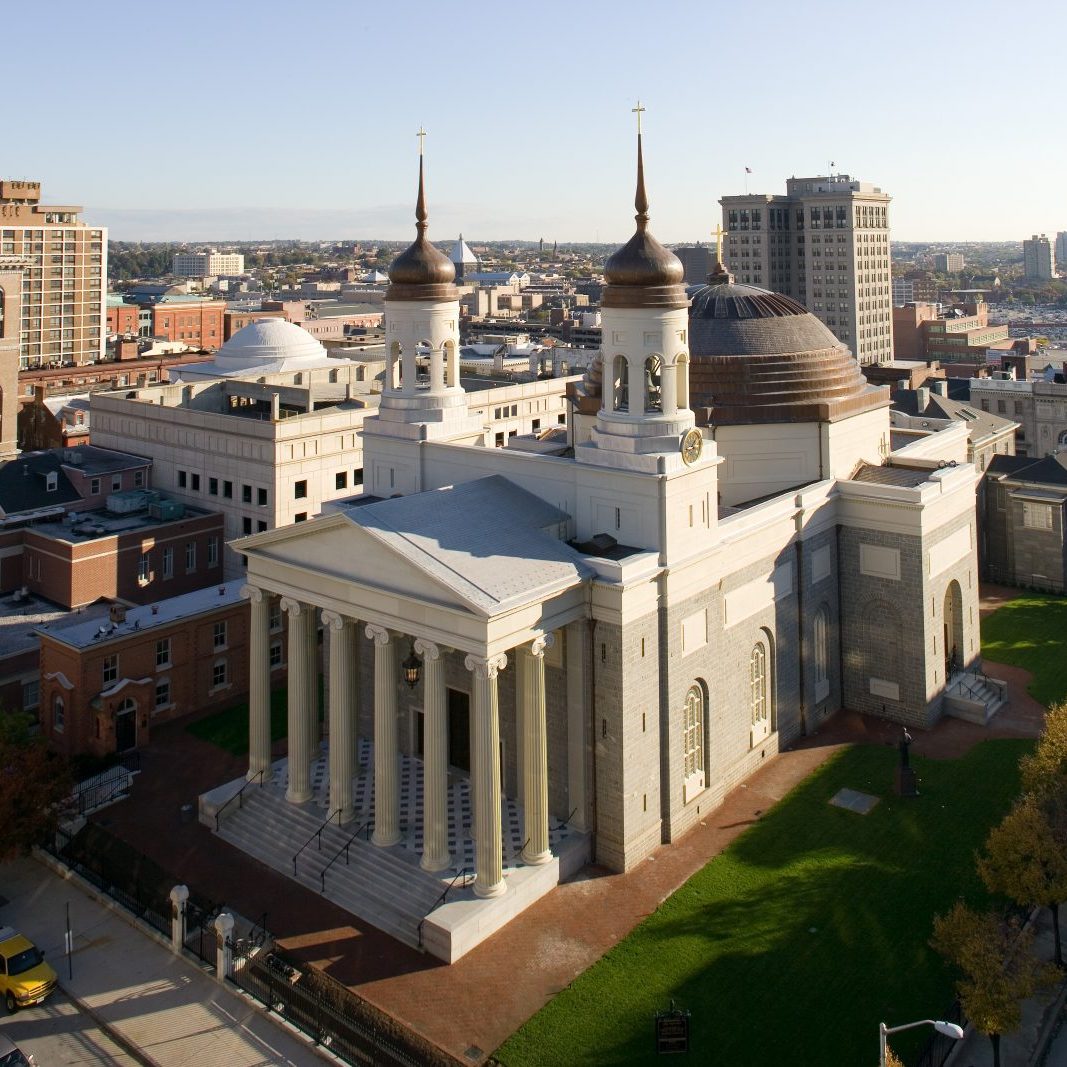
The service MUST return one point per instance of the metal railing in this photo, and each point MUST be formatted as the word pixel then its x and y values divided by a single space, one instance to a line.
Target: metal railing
pixel 238 796
pixel 344 849
pixel 443 897
pixel 317 835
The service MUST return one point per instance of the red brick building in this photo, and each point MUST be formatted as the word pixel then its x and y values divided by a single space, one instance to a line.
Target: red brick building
pixel 122 318
pixel 105 684
pixel 195 322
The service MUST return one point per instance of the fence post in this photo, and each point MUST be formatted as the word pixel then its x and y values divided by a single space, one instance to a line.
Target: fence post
pixel 223 947
pixel 178 896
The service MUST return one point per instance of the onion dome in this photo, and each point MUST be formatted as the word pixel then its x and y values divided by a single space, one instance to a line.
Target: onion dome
pixel 421 271
pixel 761 357
pixel 643 273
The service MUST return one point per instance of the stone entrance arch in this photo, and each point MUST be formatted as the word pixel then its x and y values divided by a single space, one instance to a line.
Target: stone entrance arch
pixel 952 622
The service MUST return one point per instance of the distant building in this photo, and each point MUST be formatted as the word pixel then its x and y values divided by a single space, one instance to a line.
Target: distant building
pixel 463 259
pixel 903 292
pixel 166 312
pixel 825 243
pixel 63 278
pixel 1038 262
pixel 1039 407
pixel 948 262
pixel 1061 248
pixel 960 334
pixel 208 264
pixel 697 261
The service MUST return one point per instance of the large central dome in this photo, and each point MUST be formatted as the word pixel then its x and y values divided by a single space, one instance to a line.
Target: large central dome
pixel 760 357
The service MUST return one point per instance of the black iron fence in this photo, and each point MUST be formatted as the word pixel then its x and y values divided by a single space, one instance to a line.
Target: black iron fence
pixel 320 1007
pixel 105 786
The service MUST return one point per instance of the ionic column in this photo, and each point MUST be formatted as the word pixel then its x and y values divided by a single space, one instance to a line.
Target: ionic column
pixel 386 740
pixel 342 650
pixel 311 685
pixel 485 728
pixel 435 856
pixel 258 683
pixel 534 750
pixel 301 624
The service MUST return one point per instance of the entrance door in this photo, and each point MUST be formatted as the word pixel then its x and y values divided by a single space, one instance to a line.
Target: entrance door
pixel 126 726
pixel 459 730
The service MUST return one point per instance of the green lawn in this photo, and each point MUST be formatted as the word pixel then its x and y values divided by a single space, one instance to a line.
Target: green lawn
pixel 229 728
pixel 1031 632
pixel 812 927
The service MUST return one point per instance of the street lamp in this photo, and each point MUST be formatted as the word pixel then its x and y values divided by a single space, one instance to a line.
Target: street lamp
pixel 948 1029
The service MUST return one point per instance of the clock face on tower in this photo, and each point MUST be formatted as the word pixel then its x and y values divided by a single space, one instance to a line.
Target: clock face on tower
pixel 692 446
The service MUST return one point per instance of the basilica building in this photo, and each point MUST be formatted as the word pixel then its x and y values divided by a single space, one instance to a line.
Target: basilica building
pixel 535 660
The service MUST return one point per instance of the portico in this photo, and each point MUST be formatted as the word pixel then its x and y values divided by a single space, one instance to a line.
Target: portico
pixel 383 592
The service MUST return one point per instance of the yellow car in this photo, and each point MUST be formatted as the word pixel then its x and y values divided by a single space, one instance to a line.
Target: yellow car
pixel 25 978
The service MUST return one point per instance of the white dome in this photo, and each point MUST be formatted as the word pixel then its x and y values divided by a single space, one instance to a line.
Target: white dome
pixel 270 345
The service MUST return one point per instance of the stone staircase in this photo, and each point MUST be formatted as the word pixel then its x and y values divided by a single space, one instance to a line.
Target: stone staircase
pixel 384 886
pixel 974 697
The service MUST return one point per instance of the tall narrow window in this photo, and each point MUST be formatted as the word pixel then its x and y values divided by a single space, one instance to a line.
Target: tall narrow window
pixel 58 714
pixel 821 642
pixel 761 719
pixel 620 385
pixel 693 741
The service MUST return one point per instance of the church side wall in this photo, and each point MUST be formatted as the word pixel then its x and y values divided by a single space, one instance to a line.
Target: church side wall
pixel 819 590
pixel 626 722
pixel 883 624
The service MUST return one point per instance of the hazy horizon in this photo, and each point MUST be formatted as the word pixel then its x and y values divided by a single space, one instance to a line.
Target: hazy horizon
pixel 241 121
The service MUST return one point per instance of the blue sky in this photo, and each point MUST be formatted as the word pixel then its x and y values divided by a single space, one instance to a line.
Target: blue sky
pixel 240 120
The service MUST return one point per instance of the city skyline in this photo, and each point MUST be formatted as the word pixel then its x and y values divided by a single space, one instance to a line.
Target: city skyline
pixel 317 142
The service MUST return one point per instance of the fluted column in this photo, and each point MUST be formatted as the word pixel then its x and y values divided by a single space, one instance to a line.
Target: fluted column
pixel 258 683
pixel 534 750
pixel 386 740
pixel 485 727
pixel 342 640
pixel 435 855
pixel 311 685
pixel 301 624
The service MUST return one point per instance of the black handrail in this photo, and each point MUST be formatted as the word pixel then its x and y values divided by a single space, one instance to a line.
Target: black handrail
pixel 442 898
pixel 258 934
pixel 238 796
pixel 317 834
pixel 344 848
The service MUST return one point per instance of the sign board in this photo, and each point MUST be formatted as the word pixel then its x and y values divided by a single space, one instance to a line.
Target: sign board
pixel 672 1031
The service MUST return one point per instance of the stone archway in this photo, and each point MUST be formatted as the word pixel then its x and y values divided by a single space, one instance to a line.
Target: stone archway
pixel 952 629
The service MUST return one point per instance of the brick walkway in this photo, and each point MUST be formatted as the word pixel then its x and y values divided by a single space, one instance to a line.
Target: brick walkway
pixel 555 940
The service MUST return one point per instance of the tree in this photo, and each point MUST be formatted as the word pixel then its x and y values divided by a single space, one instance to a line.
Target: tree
pixel 1026 860
pixel 34 782
pixel 997 967
pixel 1045 769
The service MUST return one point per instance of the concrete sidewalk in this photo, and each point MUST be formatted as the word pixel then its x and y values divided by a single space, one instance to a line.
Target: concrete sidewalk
pixel 161 1008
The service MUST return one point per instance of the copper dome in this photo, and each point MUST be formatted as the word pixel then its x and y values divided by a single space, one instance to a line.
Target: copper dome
pixel 760 357
pixel 643 273
pixel 421 271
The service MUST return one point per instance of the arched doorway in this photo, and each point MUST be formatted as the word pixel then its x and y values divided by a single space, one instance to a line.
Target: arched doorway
pixel 953 629
pixel 126 725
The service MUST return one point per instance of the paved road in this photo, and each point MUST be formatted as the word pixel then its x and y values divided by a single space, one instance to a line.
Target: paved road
pixel 57 1034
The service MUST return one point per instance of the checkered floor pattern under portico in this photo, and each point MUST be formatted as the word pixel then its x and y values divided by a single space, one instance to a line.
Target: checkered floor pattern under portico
pixel 460 805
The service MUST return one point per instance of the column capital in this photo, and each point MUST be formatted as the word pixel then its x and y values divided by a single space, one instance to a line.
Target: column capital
pixel 333 620
pixel 293 607
pixel 426 649
pixel 486 666
pixel 540 645
pixel 378 634
pixel 253 593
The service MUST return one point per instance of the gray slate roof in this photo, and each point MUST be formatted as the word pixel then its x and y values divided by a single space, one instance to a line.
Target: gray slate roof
pixel 484 539
pixel 1049 470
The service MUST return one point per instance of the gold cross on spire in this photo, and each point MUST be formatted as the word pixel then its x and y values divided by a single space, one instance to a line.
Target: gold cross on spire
pixel 720 233
pixel 638 112
pixel 421 135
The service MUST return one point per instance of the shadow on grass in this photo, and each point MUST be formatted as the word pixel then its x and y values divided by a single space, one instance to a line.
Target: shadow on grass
pixel 807 931
pixel 1031 632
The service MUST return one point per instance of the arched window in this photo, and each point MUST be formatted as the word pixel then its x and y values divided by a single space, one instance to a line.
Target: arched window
pixel 693 720
pixel 1063 436
pixel 451 368
pixel 58 714
pixel 394 371
pixel 758 694
pixel 620 384
pixel 682 381
pixel 653 387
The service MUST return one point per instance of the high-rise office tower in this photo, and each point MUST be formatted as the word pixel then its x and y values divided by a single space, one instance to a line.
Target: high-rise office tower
pixel 1061 248
pixel 826 244
pixel 64 276
pixel 1038 264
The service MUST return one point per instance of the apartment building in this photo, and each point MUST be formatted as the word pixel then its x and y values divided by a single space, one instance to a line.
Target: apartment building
pixel 209 264
pixel 826 244
pixel 1039 264
pixel 64 272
